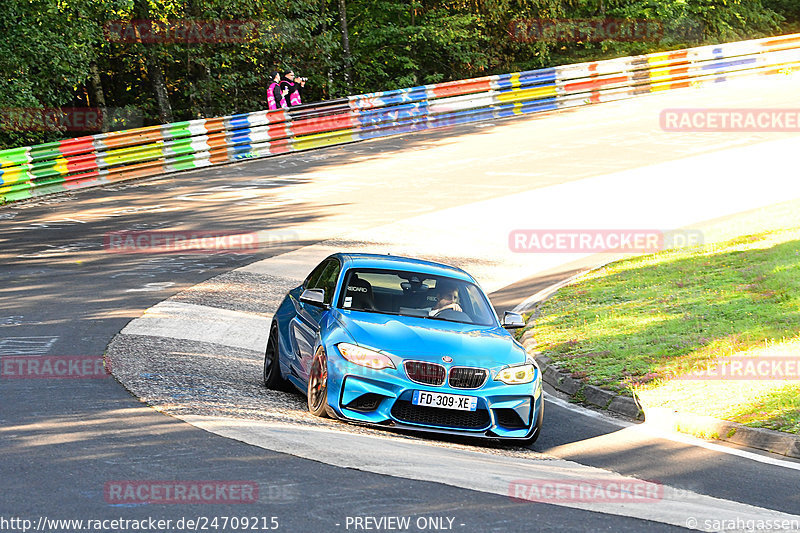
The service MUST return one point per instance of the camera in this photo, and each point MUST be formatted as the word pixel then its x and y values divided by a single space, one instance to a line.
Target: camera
pixel 301 79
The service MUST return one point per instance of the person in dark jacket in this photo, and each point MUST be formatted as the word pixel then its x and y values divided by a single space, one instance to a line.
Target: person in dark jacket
pixel 294 87
pixel 276 95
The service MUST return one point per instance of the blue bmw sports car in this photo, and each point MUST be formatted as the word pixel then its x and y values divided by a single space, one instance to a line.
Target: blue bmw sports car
pixel 392 341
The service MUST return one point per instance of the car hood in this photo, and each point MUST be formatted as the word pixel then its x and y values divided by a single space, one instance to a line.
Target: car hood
pixel 429 340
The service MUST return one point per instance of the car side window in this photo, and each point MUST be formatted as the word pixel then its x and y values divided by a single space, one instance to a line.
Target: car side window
pixel 327 280
pixel 324 277
pixel 313 278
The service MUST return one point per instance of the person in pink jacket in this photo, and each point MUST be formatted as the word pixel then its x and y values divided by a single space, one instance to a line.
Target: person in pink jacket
pixel 276 94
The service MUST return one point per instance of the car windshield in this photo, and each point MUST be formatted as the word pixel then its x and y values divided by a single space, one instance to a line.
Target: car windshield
pixel 414 294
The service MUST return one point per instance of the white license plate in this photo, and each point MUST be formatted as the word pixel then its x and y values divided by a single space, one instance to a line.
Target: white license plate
pixel 446 401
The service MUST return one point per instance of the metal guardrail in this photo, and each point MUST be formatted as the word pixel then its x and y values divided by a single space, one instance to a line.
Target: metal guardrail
pixel 100 159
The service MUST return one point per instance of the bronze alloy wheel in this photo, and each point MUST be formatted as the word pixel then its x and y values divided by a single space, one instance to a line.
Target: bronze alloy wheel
pixel 318 385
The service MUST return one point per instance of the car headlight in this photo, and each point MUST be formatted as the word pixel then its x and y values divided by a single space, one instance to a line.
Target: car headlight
pixel 517 375
pixel 364 356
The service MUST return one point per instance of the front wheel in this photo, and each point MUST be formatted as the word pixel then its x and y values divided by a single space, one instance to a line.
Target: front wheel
pixel 318 386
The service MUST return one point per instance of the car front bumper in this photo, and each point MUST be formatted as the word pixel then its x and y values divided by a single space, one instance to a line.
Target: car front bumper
pixel 383 397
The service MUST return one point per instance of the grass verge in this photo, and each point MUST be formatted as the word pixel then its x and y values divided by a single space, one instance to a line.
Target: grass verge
pixel 643 325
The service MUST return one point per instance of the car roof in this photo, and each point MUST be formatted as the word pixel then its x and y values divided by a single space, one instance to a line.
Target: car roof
pixel 396 262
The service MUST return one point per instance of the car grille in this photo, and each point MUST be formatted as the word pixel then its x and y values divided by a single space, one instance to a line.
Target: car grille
pixel 463 377
pixel 434 416
pixel 425 373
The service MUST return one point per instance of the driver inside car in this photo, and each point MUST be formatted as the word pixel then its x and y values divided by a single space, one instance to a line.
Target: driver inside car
pixel 446 298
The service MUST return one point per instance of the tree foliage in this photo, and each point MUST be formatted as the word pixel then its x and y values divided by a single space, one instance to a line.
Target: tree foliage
pixel 52 49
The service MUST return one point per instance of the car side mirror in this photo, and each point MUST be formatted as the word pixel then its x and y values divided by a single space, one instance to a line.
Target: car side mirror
pixel 512 320
pixel 313 297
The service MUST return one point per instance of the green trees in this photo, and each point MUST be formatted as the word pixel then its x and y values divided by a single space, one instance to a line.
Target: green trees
pixel 45 55
pixel 86 53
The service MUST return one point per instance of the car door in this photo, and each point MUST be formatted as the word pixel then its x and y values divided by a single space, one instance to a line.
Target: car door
pixel 306 324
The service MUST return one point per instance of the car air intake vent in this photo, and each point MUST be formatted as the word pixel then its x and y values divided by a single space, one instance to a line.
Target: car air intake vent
pixel 509 418
pixel 463 377
pixel 425 373
pixel 366 402
pixel 405 411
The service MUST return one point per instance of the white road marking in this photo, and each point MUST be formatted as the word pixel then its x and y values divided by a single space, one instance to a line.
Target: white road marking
pixel 661 433
pixel 590 413
pixel 178 320
pixel 693 441
pixel 473 470
pixel 18 346
pixel 528 303
pixel 153 287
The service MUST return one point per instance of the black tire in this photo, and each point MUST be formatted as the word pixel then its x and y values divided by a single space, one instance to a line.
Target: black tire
pixel 537 428
pixel 272 368
pixel 317 393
